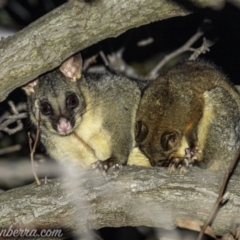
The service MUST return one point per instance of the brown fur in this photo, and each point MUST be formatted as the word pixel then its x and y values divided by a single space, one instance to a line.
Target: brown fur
pixel 192 105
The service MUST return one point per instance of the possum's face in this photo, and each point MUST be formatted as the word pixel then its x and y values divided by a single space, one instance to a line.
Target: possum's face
pixel 159 145
pixel 156 130
pixel 55 98
pixel 58 102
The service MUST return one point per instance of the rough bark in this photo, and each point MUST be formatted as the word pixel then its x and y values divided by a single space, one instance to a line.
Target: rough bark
pixel 43 45
pixel 138 196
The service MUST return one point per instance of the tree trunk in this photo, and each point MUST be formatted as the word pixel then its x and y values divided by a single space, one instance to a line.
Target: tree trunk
pixel 44 44
pixel 138 196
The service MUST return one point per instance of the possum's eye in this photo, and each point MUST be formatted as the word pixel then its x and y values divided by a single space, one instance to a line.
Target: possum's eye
pixel 45 108
pixel 169 140
pixel 72 101
pixel 141 131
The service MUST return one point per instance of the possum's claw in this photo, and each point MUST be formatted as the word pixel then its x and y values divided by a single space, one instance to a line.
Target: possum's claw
pixel 184 163
pixel 104 166
pixel 177 163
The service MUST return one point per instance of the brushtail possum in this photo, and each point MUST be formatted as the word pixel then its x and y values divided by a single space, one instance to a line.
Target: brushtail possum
pixel 85 119
pixel 189 114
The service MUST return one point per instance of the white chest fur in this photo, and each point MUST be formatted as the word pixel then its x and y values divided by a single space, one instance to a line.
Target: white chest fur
pixel 70 150
pixel 92 132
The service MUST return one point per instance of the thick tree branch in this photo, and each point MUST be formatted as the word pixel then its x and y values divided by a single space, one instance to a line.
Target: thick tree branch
pixel 72 27
pixel 138 196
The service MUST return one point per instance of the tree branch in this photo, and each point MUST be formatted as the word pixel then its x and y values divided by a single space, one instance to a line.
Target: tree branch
pixel 138 196
pixel 7 119
pixel 44 44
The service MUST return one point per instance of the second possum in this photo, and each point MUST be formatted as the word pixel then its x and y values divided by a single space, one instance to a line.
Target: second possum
pixel 190 114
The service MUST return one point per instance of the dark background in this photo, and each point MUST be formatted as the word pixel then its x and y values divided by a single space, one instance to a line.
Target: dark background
pixel 168 34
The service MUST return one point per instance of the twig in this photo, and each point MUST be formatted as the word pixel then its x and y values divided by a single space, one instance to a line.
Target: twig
pixel 17 116
pixel 12 119
pixel 89 61
pixel 145 42
pixel 186 47
pixel 154 73
pixel 33 148
pixel 201 50
pixel 221 193
pixel 13 108
pixel 10 149
pixel 116 63
pixel 6 119
pixel 104 58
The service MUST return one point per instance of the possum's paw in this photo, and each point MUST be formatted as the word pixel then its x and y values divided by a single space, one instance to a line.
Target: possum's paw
pixel 184 163
pixel 104 166
pixel 179 163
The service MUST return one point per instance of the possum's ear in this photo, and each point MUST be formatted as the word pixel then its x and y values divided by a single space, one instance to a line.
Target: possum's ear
pixel 29 87
pixel 72 67
pixel 141 131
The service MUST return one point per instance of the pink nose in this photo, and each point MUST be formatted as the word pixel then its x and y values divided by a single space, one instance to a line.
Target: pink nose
pixel 64 125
